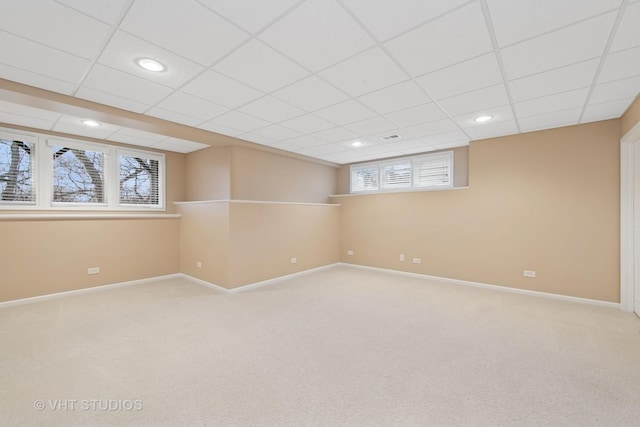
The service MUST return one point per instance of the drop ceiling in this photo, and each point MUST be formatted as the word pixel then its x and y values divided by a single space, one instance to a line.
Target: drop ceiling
pixel 313 76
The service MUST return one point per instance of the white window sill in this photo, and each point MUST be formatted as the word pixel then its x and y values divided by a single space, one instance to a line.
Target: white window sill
pixel 415 190
pixel 81 216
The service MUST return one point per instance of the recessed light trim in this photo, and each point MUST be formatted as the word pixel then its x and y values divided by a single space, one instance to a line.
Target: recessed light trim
pixel 91 123
pixel 482 119
pixel 150 65
pixel 357 144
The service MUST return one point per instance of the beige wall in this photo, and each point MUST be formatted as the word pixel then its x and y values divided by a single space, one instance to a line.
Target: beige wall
pixel 45 257
pixel 460 171
pixel 264 238
pixel 259 175
pixel 630 117
pixel 545 201
pixel 208 174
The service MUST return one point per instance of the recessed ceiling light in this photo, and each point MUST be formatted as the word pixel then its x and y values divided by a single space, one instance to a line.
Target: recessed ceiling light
pixel 482 119
pixel 357 144
pixel 91 123
pixel 150 65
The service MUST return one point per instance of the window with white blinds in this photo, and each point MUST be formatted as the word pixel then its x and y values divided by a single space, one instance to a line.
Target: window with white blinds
pixel 16 170
pixel 417 172
pixel 37 172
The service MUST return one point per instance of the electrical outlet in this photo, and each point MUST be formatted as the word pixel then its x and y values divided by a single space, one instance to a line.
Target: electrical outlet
pixel 199 264
pixel 529 273
pixel 294 260
pixel 350 253
pixel 93 270
pixel 417 261
pixel 401 257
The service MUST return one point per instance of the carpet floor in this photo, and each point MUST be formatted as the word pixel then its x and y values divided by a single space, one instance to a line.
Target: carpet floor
pixel 336 347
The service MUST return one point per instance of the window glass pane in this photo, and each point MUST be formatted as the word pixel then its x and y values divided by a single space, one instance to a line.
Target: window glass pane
pixel 139 181
pixel 78 176
pixel 364 179
pixel 397 176
pixel 16 171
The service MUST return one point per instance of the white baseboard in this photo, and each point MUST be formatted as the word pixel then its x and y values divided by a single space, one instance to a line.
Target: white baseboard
pixel 84 290
pixel 255 285
pixel 492 287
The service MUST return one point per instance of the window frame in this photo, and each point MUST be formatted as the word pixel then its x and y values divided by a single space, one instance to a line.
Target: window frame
pixel 413 162
pixel 42 164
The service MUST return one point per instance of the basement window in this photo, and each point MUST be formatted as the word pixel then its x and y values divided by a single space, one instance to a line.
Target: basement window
pixel 430 171
pixel 52 174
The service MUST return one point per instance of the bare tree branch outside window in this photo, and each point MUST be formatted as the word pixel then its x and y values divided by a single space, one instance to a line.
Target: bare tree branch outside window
pixel 16 171
pixel 139 181
pixel 78 176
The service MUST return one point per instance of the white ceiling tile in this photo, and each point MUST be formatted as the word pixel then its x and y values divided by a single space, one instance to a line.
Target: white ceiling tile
pixel 311 94
pixel 300 142
pixel 105 11
pixel 415 115
pixel 446 138
pixel 452 144
pixel 335 134
pixel 387 19
pixel 478 100
pixel 221 129
pixel 136 137
pixel 258 139
pixel 548 104
pixel 307 124
pixel 271 109
pixel 560 80
pixel 394 98
pixel 220 89
pixel 172 116
pixel 371 126
pixel 112 100
pixel 438 44
pixel 346 112
pixel 550 120
pixel 185 27
pixel 566 46
pixel 180 145
pixel 369 71
pixel 620 65
pixel 627 34
pixel 320 150
pixel 192 106
pixel 473 74
pixel 261 67
pixel 493 130
pixel 74 126
pixel 433 128
pixel 606 110
pixel 124 49
pixel 400 135
pixel 37 58
pixel 317 34
pixel 409 145
pixel 37 80
pixel 123 85
pixel 31 112
pixel 618 89
pixel 54 25
pixel 252 16
pixel 499 114
pixel 277 132
pixel 241 121
pixel 31 122
pixel 514 21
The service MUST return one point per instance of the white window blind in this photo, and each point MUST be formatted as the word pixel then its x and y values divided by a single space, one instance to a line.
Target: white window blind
pixel 139 180
pixel 16 171
pixel 433 170
pixel 417 172
pixel 364 178
pixel 396 175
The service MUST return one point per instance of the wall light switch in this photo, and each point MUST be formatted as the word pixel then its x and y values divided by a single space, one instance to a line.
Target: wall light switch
pixel 294 260
pixel 401 257
pixel 350 253
pixel 199 264
pixel 417 260
pixel 93 270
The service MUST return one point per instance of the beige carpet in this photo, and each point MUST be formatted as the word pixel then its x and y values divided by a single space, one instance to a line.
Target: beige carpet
pixel 339 347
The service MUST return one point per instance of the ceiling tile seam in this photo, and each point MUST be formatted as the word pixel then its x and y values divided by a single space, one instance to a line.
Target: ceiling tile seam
pixel 114 28
pixel 494 42
pixel 401 66
pixel 588 18
pixel 603 58
pixel 95 18
pixel 552 69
